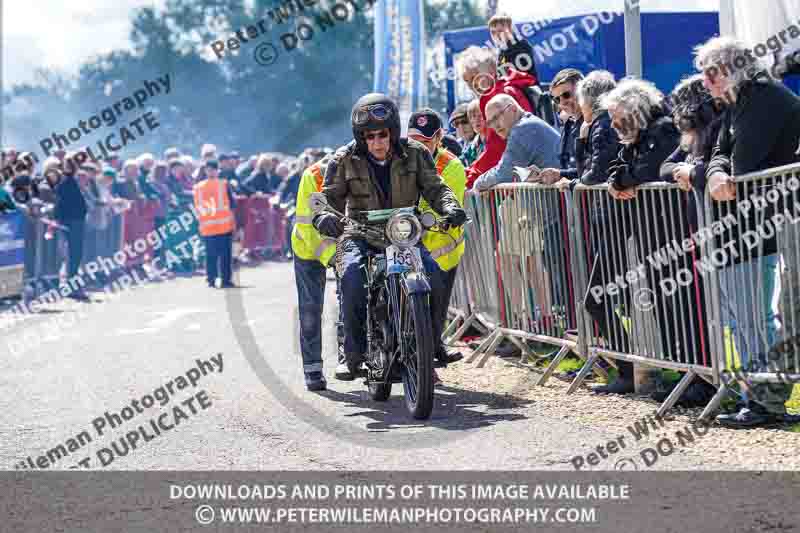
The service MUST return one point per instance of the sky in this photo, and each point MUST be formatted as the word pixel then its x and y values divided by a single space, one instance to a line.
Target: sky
pixel 62 34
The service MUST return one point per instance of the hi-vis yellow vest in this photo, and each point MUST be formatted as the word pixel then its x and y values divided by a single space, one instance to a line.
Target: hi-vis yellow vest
pixel 447 251
pixel 307 243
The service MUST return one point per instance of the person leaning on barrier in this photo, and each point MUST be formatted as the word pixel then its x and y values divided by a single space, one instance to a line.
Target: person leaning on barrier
pixel 563 89
pixel 597 145
pixel 425 127
pixel 647 135
pixel 530 141
pixel 379 170
pixel 312 254
pixel 759 131
pixel 698 117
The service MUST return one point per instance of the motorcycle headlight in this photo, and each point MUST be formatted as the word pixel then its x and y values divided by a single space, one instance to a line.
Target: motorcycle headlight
pixel 403 230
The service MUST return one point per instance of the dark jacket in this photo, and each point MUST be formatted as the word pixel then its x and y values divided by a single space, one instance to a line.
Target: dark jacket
pixel 569 136
pixel 523 51
pixel 70 204
pixel 595 154
pixel 641 161
pixel 350 182
pixel 654 217
pixel 759 131
pixel 261 182
pixel 695 198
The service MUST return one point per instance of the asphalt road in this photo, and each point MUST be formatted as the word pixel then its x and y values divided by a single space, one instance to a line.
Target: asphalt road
pixel 254 414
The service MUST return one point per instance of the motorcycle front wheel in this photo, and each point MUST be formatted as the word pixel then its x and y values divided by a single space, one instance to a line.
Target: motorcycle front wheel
pixel 416 333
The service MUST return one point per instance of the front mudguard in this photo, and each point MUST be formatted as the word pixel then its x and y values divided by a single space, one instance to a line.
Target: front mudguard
pixel 415 283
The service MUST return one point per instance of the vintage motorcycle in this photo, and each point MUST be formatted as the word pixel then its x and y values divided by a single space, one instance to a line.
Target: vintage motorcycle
pixel 400 342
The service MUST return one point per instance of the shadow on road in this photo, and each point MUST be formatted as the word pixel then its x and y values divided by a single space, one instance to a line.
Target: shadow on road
pixel 454 409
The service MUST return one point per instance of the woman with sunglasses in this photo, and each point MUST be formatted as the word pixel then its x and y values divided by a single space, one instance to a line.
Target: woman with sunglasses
pixel 379 170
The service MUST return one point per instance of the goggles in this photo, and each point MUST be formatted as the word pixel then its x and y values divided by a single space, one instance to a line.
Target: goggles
pixel 377 112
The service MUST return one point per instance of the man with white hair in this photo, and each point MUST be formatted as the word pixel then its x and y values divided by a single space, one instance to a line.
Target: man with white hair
pixel 530 141
pixel 759 131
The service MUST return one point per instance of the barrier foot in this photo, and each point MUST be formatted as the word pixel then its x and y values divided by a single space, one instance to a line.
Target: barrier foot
pixel 713 405
pixel 526 352
pixel 585 369
pixel 490 350
pixel 552 366
pixel 454 323
pixel 676 393
pixel 482 346
pixel 461 330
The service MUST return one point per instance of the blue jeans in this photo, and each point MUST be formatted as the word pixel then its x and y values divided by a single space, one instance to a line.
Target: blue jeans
pixel 746 294
pixel 309 277
pixel 354 295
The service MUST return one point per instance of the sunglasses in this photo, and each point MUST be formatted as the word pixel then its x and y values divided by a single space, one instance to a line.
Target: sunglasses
pixel 379 112
pixel 460 122
pixel 566 95
pixel 373 136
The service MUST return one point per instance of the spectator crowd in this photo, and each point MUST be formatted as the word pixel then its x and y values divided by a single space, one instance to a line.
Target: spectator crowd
pixel 716 123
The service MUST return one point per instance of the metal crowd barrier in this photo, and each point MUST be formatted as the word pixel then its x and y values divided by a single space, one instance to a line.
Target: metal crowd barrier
pixel 755 286
pixel 264 225
pixel 641 271
pixel 658 280
pixel 521 247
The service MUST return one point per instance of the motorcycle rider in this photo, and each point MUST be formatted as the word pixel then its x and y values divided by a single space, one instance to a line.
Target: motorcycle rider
pixel 379 170
pixel 425 126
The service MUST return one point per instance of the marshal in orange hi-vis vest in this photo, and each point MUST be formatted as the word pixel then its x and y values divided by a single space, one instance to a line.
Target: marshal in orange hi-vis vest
pixel 213 208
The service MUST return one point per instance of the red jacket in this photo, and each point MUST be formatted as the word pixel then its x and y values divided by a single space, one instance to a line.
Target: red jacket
pixel 512 85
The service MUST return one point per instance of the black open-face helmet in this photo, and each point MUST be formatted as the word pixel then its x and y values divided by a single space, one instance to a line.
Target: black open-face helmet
pixel 375 111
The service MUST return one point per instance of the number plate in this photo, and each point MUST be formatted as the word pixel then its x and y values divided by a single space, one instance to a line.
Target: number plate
pixel 407 258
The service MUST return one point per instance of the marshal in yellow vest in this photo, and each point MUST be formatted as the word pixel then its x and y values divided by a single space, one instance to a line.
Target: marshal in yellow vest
pixel 307 243
pixel 447 251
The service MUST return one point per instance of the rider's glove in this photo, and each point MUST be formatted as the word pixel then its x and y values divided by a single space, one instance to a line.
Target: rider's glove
pixel 455 217
pixel 329 225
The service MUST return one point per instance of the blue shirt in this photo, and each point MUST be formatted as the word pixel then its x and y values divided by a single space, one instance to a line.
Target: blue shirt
pixel 532 142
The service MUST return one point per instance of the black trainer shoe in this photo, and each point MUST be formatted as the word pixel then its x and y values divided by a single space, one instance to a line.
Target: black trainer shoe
pixel 748 418
pixel 342 372
pixel 620 386
pixel 442 357
pixel 315 381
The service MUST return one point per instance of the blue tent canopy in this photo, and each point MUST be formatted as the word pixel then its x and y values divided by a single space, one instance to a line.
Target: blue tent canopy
pixel 668 40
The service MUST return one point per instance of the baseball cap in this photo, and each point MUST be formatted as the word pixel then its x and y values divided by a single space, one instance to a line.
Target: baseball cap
pixel 425 122
pixel 212 163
